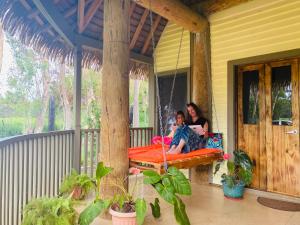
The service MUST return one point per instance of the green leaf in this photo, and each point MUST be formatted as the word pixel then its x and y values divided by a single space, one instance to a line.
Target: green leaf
pixel 92 211
pixel 102 170
pixel 230 167
pixel 217 168
pixel 242 159
pixel 245 176
pixel 179 181
pixel 166 193
pixel 180 213
pixel 155 208
pixel 151 177
pixel 141 210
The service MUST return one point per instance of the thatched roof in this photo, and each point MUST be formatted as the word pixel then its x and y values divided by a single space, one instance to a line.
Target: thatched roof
pixel 23 20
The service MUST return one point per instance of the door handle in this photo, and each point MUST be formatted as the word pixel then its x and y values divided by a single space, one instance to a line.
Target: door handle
pixel 292 132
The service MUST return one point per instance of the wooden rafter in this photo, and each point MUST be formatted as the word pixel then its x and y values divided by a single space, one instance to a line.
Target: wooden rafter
pixel 139 29
pixel 153 29
pixel 80 18
pixel 60 25
pixel 90 13
pixel 175 11
pixel 132 7
pixel 35 17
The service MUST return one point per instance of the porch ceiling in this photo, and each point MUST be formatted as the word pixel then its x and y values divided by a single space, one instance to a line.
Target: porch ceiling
pixel 55 27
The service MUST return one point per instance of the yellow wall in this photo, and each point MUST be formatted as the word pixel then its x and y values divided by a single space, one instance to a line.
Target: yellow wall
pixel 167 49
pixel 250 29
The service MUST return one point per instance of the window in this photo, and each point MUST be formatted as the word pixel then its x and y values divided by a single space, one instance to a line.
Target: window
pixel 250 97
pixel 281 95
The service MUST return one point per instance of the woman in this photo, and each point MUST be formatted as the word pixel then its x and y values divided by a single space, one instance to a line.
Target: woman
pixel 185 139
pixel 195 118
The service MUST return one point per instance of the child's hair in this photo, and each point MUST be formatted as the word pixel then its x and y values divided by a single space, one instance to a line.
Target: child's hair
pixel 180 113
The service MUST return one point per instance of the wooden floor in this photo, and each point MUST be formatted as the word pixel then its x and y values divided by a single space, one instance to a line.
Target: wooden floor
pixel 207 206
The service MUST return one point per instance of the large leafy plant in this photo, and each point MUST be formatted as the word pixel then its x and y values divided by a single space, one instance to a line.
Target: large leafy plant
pixel 170 186
pixel 77 185
pixel 120 202
pixel 49 211
pixel 240 170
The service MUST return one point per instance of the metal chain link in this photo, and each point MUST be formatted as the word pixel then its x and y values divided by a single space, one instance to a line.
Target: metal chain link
pixel 157 92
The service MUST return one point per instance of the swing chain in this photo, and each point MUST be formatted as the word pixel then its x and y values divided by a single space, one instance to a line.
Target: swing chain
pixel 157 92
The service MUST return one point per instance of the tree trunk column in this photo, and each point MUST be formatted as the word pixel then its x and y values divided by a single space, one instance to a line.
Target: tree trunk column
pixel 115 93
pixel 201 91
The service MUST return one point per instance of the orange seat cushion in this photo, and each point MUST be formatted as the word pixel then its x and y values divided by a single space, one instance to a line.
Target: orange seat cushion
pixel 153 153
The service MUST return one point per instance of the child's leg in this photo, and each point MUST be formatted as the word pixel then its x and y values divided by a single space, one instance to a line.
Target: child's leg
pixel 177 150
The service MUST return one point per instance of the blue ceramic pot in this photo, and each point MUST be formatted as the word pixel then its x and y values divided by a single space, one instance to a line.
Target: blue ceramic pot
pixel 237 191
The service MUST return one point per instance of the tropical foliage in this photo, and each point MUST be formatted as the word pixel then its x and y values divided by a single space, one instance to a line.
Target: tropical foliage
pixel 78 185
pixel 240 170
pixel 170 186
pixel 49 211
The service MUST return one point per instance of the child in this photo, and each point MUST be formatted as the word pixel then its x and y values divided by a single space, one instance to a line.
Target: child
pixel 185 139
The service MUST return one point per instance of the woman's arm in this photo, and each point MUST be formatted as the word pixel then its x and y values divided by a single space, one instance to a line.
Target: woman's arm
pixel 205 129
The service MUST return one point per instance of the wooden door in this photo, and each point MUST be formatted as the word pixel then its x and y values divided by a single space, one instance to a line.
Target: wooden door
pixel 282 127
pixel 268 123
pixel 251 119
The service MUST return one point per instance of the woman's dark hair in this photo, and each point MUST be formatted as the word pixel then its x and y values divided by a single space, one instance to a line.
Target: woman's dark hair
pixel 180 113
pixel 197 110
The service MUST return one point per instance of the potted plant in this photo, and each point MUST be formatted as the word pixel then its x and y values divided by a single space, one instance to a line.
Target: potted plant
pixel 239 174
pixel 45 211
pixel 77 185
pixel 123 208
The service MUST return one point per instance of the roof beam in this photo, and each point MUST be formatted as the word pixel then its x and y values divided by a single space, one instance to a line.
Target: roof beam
pixel 80 17
pixel 138 29
pixel 149 37
pixel 175 11
pixel 90 13
pixel 56 20
pixel 59 24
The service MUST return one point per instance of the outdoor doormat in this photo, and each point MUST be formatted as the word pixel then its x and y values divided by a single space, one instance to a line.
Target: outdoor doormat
pixel 279 204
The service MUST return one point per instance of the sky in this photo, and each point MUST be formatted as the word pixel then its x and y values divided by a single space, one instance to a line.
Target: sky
pixel 7 63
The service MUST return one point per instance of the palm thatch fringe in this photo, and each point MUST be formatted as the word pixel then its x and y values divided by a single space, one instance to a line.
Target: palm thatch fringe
pixel 49 44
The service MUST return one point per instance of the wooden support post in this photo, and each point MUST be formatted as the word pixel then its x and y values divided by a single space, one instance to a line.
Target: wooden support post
pixel 115 93
pixel 201 90
pixel 77 107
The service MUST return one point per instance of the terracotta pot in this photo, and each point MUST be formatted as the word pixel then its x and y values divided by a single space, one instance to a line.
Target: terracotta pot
pixel 119 218
pixel 77 193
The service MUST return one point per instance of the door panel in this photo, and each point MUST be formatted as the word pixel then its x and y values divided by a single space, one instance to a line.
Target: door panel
pixel 282 119
pixel 251 119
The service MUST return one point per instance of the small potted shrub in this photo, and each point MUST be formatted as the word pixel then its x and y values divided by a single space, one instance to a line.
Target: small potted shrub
pixel 77 185
pixel 45 211
pixel 123 208
pixel 239 175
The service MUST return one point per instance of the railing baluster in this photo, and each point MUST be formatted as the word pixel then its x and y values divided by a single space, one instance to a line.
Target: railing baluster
pixel 85 151
pixel 11 184
pixel 97 145
pixel 92 153
pixel 16 183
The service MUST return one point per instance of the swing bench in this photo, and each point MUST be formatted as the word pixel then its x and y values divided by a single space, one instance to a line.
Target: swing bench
pixel 151 158
pixel 154 157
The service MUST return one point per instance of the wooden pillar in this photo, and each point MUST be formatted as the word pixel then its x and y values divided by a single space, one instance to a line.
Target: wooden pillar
pixel 201 90
pixel 77 107
pixel 115 93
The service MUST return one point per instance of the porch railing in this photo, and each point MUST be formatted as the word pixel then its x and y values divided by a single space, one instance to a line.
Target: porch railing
pixel 90 142
pixel 34 165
